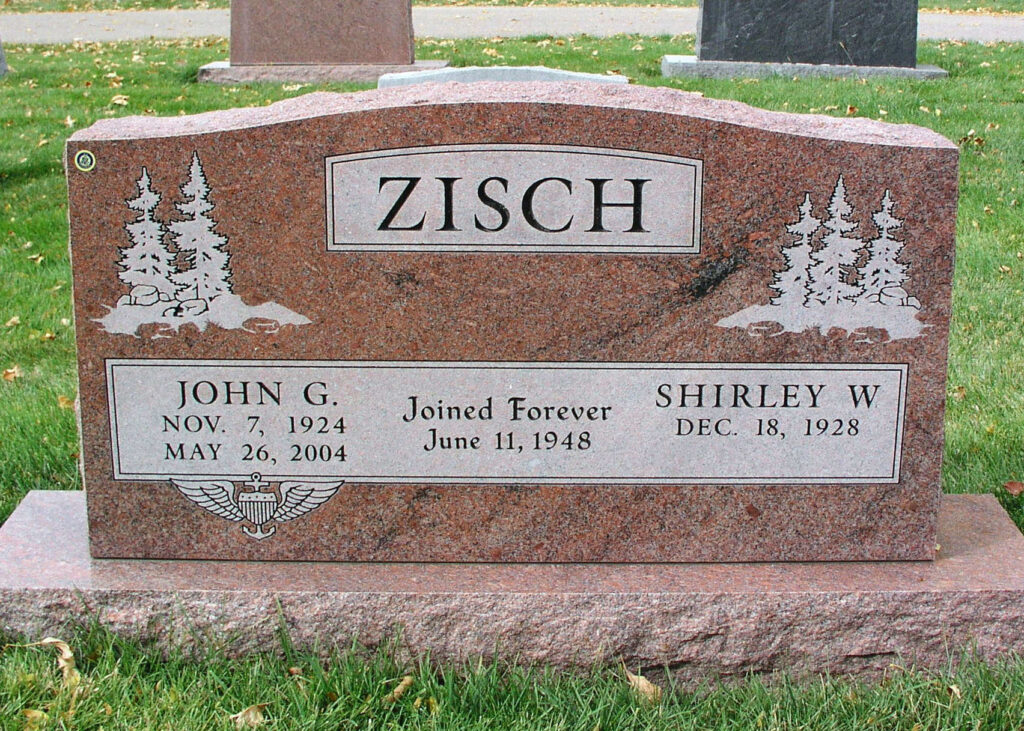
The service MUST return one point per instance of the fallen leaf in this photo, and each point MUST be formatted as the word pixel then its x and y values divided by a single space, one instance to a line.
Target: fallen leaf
pixel 11 373
pixel 399 690
pixel 850 109
pixel 37 258
pixel 120 99
pixel 65 661
pixel 954 691
pixel 960 393
pixel 65 403
pixel 48 336
pixel 642 686
pixel 250 717
pixel 1014 488
pixel 295 671
pixel 13 322
pixel 33 718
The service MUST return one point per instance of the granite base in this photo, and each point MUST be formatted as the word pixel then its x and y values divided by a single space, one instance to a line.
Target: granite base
pixel 222 72
pixel 690 619
pixel 692 66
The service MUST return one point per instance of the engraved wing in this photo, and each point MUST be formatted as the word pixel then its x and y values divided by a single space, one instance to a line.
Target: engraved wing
pixel 217 496
pixel 298 498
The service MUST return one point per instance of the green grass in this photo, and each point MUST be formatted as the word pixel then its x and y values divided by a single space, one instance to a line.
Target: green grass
pixel 38 6
pixel 125 687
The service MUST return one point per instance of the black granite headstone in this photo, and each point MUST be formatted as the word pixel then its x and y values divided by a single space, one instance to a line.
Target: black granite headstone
pixel 851 32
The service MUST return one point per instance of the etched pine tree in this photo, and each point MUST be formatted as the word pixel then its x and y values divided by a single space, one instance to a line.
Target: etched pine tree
pixel 147 261
pixel 883 270
pixel 208 274
pixel 790 284
pixel 832 265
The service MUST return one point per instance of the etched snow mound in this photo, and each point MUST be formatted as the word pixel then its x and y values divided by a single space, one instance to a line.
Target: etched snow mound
pixel 822 288
pixel 180 273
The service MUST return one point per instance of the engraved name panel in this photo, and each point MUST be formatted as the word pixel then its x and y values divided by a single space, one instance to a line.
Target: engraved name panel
pixel 447 422
pixel 514 198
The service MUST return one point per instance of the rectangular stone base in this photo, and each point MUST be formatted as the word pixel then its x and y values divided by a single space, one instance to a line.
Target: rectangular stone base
pixel 692 66
pixel 692 619
pixel 222 72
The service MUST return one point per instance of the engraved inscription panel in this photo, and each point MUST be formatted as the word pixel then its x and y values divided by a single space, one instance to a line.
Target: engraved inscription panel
pixel 514 198
pixel 598 423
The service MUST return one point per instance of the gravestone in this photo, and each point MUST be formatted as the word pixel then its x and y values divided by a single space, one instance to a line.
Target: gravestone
pixel 474 74
pixel 3 60
pixel 481 323
pixel 420 333
pixel 804 37
pixel 317 40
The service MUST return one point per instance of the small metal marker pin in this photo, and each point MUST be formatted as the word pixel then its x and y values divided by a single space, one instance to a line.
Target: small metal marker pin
pixel 85 160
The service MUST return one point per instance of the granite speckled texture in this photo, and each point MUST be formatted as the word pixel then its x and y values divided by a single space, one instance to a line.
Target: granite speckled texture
pixel 672 65
pixel 266 168
pixel 696 620
pixel 222 72
pixel 321 32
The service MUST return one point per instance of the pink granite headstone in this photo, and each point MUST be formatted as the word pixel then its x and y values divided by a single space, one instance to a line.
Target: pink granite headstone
pixel 485 323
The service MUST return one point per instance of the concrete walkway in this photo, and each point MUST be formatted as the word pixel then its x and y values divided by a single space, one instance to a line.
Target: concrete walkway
pixel 453 22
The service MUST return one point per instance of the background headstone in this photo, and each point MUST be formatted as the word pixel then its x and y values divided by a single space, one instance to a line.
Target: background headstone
pixel 321 32
pixel 512 322
pixel 3 59
pixel 473 74
pixel 842 38
pixel 317 40
pixel 853 32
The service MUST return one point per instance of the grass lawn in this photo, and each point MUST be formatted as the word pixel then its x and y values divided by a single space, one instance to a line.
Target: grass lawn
pixel 123 687
pixel 55 89
pixel 36 6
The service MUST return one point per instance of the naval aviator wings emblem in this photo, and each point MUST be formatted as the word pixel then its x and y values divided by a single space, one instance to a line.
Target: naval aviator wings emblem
pixel 255 505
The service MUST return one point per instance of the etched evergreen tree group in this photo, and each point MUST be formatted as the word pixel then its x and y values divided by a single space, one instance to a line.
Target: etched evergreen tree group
pixel 180 271
pixel 834 279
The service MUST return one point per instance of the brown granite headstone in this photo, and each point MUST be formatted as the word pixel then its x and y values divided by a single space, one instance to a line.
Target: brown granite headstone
pixel 483 322
pixel 321 32
pixel 318 40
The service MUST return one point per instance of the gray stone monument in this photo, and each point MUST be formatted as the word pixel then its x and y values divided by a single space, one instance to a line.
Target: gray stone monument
pixel 804 37
pixel 3 61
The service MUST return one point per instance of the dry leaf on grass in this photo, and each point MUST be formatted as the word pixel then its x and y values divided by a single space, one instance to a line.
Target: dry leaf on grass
pixel 34 719
pixel 954 692
pixel 643 687
pixel 65 403
pixel 11 373
pixel 432 705
pixel 399 690
pixel 65 661
pixel 1014 488
pixel 250 717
